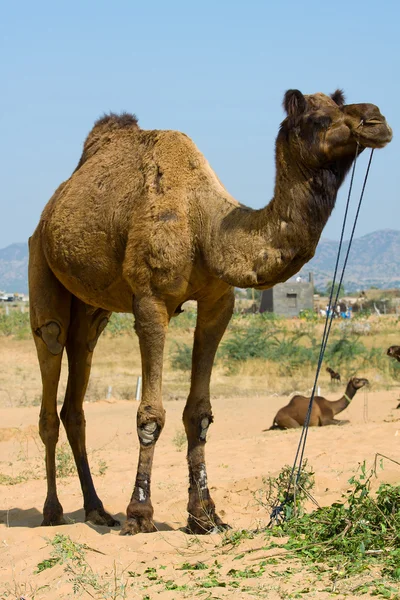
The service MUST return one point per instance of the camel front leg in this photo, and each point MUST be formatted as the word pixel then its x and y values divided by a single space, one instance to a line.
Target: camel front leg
pixel 212 320
pixel 151 322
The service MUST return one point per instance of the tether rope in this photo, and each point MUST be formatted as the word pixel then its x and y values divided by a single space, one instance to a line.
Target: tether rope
pixel 276 514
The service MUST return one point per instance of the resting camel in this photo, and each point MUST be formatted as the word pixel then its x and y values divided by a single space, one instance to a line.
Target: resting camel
pixel 323 411
pixel 334 376
pixel 144 224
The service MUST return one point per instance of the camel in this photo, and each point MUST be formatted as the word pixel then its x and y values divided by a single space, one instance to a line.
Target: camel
pixel 323 411
pixel 334 376
pixel 394 352
pixel 143 225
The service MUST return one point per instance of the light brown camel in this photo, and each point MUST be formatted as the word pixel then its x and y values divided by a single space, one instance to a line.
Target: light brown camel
pixel 323 411
pixel 334 375
pixel 142 225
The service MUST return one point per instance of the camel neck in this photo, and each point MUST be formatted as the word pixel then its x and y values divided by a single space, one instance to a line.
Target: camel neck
pixel 343 402
pixel 259 248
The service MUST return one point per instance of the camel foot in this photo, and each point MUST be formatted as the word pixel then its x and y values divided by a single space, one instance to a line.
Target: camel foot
pixel 138 525
pixel 53 514
pixel 99 516
pixel 205 525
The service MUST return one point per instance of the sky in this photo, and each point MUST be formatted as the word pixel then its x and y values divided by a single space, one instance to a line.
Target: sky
pixel 216 70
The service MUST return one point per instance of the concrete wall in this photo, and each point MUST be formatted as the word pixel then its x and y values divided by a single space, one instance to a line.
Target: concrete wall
pixel 289 298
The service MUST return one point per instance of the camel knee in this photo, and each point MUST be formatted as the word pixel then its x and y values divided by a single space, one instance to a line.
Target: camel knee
pixel 49 427
pixel 149 427
pixel 73 420
pixel 197 424
pixel 50 334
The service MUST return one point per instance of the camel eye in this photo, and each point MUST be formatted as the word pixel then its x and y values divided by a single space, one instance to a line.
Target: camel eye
pixel 373 122
pixel 322 122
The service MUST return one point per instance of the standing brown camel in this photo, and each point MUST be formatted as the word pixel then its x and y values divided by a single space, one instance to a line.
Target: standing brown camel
pixel 143 224
pixel 334 375
pixel 323 411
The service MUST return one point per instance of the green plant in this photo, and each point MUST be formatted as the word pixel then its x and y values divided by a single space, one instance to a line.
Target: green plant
pixel 289 489
pixel 179 440
pixel 346 352
pixel 120 323
pixel 72 555
pixel 181 357
pixel 102 467
pixel 65 465
pixel 198 566
pixel 360 530
pixel 308 314
pixel 64 549
pixel 185 320
pixel 234 538
pixel 15 323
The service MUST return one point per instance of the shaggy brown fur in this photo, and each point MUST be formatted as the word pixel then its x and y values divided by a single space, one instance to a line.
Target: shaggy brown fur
pixel 294 414
pixel 143 225
pixel 334 376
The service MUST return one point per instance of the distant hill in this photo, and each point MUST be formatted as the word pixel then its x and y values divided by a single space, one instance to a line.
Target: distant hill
pixel 374 261
pixel 14 268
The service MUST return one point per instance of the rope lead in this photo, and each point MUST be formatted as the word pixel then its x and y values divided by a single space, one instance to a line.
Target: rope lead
pixel 277 515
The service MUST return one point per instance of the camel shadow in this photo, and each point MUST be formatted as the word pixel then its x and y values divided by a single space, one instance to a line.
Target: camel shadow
pixel 103 529
pixel 32 518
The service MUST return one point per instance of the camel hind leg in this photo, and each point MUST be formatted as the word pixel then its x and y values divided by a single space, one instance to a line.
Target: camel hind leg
pixel 49 313
pixel 86 325
pixel 283 421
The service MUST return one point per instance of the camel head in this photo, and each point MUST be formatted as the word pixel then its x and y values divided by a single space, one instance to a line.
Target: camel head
pixel 322 130
pixel 394 352
pixel 358 383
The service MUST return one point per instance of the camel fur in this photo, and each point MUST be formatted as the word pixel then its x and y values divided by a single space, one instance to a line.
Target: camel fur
pixel 334 375
pixel 323 411
pixel 143 225
pixel 394 352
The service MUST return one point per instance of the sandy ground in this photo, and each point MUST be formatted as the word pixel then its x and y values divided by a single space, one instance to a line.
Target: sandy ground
pixel 239 454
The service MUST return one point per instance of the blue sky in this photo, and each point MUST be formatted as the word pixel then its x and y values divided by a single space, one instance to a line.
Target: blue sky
pixel 216 70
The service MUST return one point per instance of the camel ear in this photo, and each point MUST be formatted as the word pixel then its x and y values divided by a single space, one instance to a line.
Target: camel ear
pixel 294 103
pixel 338 97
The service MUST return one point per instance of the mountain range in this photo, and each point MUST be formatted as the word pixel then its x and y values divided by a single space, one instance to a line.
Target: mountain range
pixel 374 260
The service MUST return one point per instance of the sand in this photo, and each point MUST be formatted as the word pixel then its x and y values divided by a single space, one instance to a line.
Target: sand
pixel 239 455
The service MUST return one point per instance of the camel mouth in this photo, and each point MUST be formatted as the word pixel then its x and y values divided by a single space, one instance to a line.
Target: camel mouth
pixel 374 133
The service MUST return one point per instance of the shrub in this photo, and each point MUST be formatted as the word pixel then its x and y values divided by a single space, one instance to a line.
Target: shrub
pixel 15 323
pixel 181 357
pixel 120 323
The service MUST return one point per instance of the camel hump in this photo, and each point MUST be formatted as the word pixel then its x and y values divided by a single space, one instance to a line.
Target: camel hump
pixel 114 121
pixel 103 127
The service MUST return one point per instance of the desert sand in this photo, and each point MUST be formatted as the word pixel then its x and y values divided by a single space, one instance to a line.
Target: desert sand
pixel 239 455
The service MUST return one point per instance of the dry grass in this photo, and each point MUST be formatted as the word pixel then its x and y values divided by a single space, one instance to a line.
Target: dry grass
pixel 116 366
